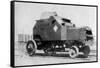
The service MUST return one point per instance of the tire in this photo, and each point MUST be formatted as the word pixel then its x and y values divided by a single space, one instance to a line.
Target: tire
pixel 74 52
pixel 86 51
pixel 31 48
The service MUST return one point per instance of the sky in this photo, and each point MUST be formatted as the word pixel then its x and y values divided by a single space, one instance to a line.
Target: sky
pixel 26 15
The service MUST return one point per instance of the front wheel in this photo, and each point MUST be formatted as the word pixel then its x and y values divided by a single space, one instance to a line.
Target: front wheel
pixel 74 51
pixel 31 48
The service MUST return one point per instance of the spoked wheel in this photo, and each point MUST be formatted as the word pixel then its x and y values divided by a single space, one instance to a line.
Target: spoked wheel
pixel 74 51
pixel 86 51
pixel 31 48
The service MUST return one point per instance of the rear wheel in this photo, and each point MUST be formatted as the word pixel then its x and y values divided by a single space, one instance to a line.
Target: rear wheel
pixel 31 48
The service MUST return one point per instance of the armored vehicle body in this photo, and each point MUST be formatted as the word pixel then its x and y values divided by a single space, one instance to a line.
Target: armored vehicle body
pixel 54 34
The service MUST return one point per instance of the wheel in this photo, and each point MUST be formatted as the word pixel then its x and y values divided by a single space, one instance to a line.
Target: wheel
pixel 31 48
pixel 74 51
pixel 86 51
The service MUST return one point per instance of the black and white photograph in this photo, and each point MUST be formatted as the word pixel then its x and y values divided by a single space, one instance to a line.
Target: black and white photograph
pixel 53 33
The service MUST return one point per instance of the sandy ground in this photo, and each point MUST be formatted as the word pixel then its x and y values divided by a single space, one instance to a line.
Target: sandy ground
pixel 22 58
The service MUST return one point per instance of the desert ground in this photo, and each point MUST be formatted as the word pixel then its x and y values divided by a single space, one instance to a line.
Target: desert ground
pixel 40 58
